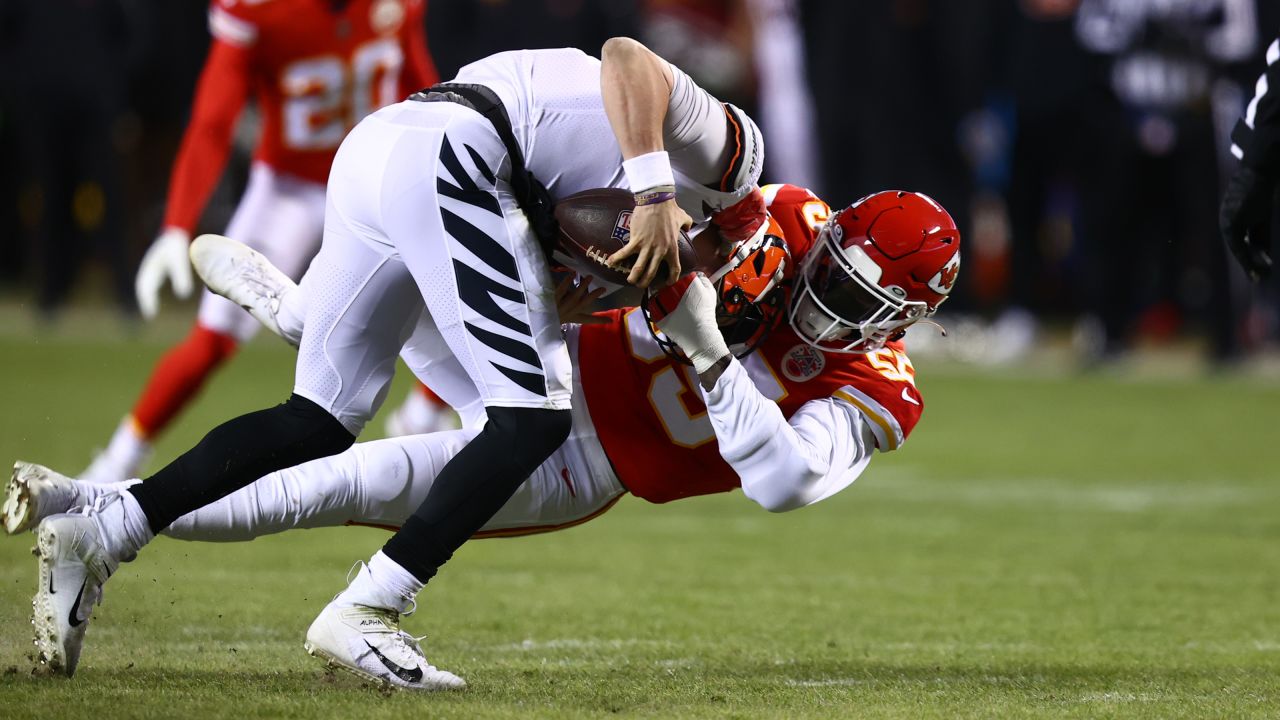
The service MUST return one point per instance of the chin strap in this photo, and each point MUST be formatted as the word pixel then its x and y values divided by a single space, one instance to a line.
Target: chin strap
pixel 934 323
pixel 901 333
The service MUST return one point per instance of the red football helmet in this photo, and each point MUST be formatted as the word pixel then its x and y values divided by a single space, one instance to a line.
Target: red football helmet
pixel 751 299
pixel 876 267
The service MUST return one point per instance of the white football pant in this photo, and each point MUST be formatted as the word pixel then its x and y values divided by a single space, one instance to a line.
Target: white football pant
pixel 383 482
pixel 419 214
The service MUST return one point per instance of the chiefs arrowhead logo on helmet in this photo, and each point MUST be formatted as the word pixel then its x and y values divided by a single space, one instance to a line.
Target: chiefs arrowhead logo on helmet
pixel 945 279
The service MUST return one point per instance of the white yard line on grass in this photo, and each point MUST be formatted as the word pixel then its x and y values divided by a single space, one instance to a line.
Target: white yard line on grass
pixel 1117 497
pixel 580 644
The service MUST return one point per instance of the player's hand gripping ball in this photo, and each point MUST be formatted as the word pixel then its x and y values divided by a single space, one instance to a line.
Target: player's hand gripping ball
pixel 595 224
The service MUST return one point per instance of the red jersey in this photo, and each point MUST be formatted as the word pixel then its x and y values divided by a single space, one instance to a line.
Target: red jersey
pixel 649 413
pixel 314 71
pixel 800 214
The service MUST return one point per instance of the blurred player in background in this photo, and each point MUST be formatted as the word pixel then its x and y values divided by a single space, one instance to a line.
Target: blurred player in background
pixel 1253 194
pixel 821 382
pixel 1151 159
pixel 314 68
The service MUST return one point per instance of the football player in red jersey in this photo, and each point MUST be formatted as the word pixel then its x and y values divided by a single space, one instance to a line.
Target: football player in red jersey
pixel 313 68
pixel 795 418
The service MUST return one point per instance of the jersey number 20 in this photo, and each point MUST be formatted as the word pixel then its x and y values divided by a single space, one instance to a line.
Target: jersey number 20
pixel 325 96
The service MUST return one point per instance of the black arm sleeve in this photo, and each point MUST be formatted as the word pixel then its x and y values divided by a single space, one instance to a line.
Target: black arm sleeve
pixel 1256 137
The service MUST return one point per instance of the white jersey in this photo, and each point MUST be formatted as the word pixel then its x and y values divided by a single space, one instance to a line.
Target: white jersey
pixel 556 109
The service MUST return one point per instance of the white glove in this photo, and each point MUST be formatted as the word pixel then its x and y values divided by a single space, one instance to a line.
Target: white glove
pixel 166 259
pixel 692 325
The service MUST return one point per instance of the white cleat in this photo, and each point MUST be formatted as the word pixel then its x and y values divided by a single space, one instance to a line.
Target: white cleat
pixel 34 493
pixel 244 276
pixel 73 567
pixel 368 643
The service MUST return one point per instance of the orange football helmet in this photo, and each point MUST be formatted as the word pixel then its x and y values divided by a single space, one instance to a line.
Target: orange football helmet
pixel 751 287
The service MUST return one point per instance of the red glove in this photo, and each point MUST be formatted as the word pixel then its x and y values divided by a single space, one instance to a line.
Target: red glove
pixel 742 219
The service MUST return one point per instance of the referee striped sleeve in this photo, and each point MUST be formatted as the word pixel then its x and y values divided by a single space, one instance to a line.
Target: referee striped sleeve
pixel 1256 138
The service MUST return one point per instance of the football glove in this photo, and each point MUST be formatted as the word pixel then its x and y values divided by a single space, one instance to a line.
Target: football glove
pixel 166 259
pixel 741 220
pixel 686 313
pixel 1245 218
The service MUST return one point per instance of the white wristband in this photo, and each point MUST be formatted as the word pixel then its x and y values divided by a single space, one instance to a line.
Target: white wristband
pixel 648 171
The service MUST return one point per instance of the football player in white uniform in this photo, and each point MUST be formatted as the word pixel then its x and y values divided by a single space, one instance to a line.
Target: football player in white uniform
pixel 436 211
pixel 792 423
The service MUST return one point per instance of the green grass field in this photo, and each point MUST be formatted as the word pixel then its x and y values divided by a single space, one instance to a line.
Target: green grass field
pixel 1101 546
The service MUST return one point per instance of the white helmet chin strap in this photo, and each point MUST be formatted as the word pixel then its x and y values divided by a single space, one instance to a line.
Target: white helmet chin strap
pixel 930 321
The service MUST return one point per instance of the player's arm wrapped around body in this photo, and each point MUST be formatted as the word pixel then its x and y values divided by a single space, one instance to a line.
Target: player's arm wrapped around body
pixel 786 464
pixel 782 464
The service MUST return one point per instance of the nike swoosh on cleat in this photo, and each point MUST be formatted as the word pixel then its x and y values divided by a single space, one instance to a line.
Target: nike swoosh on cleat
pixel 405 674
pixel 74 617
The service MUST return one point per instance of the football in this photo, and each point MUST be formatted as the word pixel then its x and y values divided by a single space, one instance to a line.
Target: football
pixel 594 224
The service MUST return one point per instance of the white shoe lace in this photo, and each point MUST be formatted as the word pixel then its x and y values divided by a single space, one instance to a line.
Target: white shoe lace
pixel 98 504
pixel 400 638
pixel 110 544
pixel 354 570
pixel 264 289
pixel 258 281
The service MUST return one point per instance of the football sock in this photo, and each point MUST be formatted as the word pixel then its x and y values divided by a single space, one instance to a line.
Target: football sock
pixel 423 411
pixel 382 583
pixel 418 411
pixel 123 456
pixel 237 453
pixel 475 484
pixel 179 376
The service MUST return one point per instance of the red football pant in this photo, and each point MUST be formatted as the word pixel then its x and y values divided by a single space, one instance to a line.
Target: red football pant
pixel 179 376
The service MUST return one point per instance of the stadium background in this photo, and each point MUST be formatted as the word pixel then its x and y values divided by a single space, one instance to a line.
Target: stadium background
pixel 1085 523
